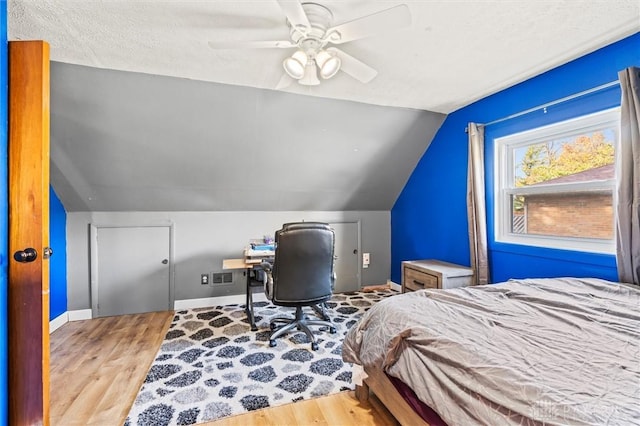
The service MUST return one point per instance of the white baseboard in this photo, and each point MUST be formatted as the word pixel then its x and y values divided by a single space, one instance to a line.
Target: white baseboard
pixel 80 315
pixel 65 317
pixel 394 286
pixel 239 299
pixel 206 302
pixel 58 322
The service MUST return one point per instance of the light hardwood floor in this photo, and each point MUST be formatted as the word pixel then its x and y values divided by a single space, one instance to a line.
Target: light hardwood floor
pixel 98 365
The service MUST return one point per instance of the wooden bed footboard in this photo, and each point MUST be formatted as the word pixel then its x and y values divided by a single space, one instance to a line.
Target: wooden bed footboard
pixel 378 383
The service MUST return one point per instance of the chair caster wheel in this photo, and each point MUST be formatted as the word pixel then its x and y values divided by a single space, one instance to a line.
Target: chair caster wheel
pixel 272 343
pixel 314 346
pixel 332 330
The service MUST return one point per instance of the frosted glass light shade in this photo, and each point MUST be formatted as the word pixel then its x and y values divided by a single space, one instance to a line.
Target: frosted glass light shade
pixel 310 77
pixel 329 64
pixel 295 65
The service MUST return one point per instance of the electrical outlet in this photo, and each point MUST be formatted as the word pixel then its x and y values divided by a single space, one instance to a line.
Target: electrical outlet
pixel 204 279
pixel 365 260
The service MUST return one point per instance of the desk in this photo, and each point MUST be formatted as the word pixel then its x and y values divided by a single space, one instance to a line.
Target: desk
pixel 251 283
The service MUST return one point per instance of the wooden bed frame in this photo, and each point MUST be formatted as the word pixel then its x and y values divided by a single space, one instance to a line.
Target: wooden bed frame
pixel 378 383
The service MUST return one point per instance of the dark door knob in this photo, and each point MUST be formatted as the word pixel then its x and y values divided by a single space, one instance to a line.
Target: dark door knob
pixel 26 255
pixel 165 261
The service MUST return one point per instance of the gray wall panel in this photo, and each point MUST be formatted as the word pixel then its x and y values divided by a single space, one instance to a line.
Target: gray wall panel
pixel 204 239
pixel 123 141
pixel 78 278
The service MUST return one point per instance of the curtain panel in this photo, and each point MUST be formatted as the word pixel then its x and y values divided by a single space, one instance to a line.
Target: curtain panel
pixel 476 208
pixel 628 179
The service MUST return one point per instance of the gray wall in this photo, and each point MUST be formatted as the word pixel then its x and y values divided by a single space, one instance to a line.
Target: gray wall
pixel 224 164
pixel 203 239
pixel 123 141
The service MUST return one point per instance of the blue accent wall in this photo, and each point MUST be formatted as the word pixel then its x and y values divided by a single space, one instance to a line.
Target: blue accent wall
pixel 429 218
pixel 4 211
pixel 58 262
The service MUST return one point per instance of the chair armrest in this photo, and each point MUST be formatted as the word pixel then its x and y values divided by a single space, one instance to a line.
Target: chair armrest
pixel 266 266
pixel 268 279
pixel 334 277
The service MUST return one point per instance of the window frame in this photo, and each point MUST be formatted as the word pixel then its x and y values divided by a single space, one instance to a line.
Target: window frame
pixel 504 182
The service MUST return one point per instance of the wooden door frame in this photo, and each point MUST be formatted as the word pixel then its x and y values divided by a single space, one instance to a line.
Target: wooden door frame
pixel 93 256
pixel 28 292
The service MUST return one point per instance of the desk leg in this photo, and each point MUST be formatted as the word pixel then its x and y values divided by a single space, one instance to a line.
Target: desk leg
pixel 249 303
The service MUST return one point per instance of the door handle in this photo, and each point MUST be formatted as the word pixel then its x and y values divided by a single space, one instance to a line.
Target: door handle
pixel 48 252
pixel 165 261
pixel 26 255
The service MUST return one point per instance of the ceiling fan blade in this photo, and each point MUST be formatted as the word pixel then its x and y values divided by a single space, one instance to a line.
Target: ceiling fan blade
pixel 259 44
pixel 385 20
pixel 355 68
pixel 294 12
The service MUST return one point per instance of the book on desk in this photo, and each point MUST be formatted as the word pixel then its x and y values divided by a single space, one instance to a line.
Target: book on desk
pixel 259 253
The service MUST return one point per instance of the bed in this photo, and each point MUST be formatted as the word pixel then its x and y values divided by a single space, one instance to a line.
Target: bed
pixel 524 352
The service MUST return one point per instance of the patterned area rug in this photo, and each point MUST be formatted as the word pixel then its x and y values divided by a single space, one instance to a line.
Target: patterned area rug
pixel 211 365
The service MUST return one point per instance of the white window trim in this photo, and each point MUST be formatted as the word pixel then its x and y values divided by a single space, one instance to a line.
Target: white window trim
pixel 504 187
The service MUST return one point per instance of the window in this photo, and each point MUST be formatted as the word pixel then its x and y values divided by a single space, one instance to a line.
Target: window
pixel 555 185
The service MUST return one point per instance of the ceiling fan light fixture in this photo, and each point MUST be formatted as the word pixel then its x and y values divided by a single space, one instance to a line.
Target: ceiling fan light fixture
pixel 328 63
pixel 296 64
pixel 310 77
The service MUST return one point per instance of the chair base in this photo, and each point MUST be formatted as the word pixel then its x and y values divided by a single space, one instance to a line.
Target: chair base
pixel 300 322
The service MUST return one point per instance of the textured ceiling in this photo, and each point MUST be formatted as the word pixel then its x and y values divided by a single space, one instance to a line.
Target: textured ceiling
pixel 454 53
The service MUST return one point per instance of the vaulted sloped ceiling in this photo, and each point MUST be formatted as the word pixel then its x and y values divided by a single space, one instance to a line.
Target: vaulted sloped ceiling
pixel 124 141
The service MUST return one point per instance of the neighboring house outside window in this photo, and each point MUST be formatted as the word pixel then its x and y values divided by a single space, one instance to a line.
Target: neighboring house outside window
pixel 581 214
pixel 555 184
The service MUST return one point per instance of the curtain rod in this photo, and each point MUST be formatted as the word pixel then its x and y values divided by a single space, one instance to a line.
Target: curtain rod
pixel 552 103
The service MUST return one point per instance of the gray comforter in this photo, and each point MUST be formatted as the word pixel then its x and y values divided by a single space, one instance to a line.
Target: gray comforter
pixel 538 351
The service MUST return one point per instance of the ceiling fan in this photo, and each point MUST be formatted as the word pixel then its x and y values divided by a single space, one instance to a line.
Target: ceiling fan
pixel 313 35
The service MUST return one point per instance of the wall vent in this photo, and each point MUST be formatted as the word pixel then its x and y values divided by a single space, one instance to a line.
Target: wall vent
pixel 222 278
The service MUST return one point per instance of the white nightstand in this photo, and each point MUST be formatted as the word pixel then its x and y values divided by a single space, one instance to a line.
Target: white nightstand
pixel 430 273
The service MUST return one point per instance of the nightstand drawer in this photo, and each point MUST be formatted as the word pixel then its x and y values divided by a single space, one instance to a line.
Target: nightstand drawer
pixel 418 280
pixel 431 273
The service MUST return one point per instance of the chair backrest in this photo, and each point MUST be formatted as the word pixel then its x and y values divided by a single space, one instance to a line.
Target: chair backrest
pixel 303 264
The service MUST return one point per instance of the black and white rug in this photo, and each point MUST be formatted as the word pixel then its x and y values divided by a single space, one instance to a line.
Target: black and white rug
pixel 211 365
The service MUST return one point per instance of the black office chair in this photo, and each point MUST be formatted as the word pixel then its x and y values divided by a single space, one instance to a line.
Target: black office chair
pixel 301 275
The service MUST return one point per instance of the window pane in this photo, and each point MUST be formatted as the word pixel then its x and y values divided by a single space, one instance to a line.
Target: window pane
pixel 569 214
pixel 556 184
pixel 577 158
